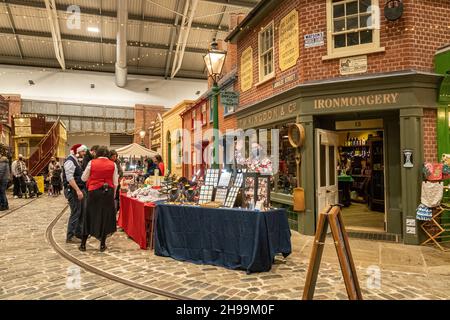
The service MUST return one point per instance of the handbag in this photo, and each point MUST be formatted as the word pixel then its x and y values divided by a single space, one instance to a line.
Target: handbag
pixel 433 171
pixel 432 193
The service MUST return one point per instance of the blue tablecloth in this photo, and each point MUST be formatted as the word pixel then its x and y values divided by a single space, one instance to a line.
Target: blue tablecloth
pixel 231 238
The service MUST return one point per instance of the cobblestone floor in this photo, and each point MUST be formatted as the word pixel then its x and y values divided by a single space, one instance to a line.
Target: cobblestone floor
pixel 31 269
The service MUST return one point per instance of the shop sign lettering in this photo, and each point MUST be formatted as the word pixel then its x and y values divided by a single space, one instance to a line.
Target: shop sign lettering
pixel 289 41
pixel 285 80
pixel 272 115
pixel 357 101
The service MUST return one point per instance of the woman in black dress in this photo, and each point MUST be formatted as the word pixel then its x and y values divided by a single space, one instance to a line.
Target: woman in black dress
pixel 56 181
pixel 102 179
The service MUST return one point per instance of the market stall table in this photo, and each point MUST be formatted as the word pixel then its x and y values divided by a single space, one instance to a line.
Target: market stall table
pixel 232 238
pixel 136 219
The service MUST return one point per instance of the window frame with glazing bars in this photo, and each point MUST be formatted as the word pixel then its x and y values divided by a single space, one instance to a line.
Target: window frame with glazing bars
pixel 359 48
pixel 263 76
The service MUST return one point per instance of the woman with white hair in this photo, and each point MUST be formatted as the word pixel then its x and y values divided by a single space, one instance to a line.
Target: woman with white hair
pixel 17 168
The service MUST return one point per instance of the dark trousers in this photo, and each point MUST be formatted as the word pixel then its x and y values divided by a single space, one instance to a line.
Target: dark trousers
pixel 76 209
pixel 3 198
pixel 19 186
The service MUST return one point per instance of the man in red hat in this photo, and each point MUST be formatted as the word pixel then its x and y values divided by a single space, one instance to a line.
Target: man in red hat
pixel 74 190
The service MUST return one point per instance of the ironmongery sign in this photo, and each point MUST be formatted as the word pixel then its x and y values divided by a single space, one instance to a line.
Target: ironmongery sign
pixel 357 101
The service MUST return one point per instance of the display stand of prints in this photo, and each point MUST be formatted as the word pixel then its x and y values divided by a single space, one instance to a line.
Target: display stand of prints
pixel 221 195
pixel 212 177
pixel 207 190
pixel 231 198
pixel 206 194
pixel 256 189
pixel 222 187
pixel 239 180
pixel 332 217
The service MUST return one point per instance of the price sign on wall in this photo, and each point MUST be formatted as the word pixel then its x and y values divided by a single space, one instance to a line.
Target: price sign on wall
pixel 247 69
pixel 289 41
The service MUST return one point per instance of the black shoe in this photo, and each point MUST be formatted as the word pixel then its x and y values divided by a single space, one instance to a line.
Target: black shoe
pixel 82 247
pixel 103 248
pixel 3 209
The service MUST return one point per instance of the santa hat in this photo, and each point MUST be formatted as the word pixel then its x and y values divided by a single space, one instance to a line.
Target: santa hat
pixel 82 148
pixel 74 148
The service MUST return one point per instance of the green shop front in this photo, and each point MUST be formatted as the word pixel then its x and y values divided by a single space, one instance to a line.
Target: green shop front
pixel 442 66
pixel 364 147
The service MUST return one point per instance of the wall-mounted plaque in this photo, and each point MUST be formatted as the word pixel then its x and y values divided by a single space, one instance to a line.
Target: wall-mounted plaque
pixel 22 122
pixel 246 75
pixel 314 40
pixel 289 50
pixel 353 65
pixel 22 131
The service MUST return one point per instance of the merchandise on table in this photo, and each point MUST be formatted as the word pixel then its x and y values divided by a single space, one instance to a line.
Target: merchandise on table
pixel 221 195
pixel 212 177
pixel 147 194
pixel 206 194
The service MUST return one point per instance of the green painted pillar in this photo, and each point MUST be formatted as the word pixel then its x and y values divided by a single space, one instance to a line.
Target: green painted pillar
pixel 307 219
pixel 215 99
pixel 393 185
pixel 411 137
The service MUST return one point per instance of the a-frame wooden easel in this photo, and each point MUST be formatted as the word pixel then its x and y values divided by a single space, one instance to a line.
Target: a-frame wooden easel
pixel 332 217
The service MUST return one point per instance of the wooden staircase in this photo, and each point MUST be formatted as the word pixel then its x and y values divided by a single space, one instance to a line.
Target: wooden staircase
pixel 46 149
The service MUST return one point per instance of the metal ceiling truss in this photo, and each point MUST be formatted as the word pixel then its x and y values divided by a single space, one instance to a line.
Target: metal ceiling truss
pixel 174 32
pixel 13 28
pixel 235 3
pixel 92 66
pixel 56 33
pixel 70 37
pixel 190 9
pixel 113 14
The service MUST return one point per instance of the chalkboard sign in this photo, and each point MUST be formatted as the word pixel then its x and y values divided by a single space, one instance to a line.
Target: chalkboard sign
pixel 332 217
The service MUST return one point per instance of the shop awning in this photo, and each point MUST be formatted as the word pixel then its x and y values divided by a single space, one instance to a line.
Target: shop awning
pixel 135 150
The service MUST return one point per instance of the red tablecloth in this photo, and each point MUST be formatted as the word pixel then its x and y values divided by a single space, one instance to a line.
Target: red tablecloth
pixel 132 218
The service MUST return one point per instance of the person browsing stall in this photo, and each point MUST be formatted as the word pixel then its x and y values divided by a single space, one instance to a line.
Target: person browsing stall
pixel 102 179
pixel 160 164
pixel 90 155
pixel 74 190
pixel 114 157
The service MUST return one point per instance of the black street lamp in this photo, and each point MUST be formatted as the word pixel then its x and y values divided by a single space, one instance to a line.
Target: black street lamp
pixel 215 60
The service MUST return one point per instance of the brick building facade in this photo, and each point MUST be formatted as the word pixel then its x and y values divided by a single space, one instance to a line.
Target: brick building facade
pixel 144 117
pixel 324 62
pixel 201 110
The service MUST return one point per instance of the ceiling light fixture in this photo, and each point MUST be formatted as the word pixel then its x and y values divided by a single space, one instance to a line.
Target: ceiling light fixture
pixel 93 29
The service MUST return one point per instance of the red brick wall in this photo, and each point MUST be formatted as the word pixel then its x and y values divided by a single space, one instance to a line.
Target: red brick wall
pixel 15 106
pixel 143 116
pixel 410 43
pixel 430 135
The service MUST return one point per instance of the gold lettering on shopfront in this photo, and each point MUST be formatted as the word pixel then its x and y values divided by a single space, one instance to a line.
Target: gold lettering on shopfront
pixel 278 113
pixel 357 101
